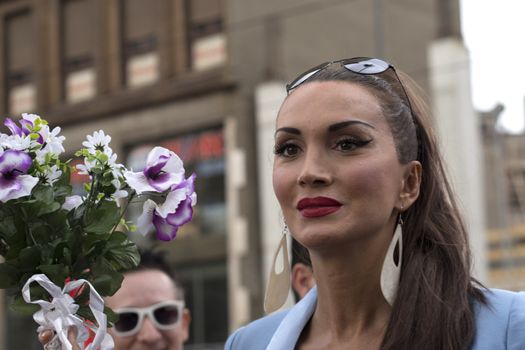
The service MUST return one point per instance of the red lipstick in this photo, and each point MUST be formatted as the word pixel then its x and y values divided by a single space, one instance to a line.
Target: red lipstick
pixel 318 206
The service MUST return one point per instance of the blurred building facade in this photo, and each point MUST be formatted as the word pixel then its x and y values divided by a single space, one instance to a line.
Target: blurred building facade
pixel 201 77
pixel 505 204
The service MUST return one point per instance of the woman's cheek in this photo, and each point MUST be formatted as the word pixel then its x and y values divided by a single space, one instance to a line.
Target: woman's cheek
pixel 282 184
pixel 366 177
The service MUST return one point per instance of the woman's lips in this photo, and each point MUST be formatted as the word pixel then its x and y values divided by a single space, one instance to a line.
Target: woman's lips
pixel 318 206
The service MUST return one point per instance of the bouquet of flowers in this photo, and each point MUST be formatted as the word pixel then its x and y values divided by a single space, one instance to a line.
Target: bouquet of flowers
pixel 63 251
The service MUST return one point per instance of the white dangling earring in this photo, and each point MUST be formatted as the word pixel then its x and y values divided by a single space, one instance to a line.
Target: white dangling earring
pixel 278 283
pixel 391 270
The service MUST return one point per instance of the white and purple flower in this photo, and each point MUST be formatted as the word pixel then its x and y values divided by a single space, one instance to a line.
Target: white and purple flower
pixel 168 217
pixel 15 129
pixel 27 124
pixel 14 181
pixel 164 170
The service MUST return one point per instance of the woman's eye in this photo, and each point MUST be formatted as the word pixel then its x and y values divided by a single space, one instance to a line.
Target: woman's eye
pixel 350 144
pixel 286 150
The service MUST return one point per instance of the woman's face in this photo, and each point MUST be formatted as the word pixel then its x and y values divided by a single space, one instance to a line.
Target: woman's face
pixel 336 172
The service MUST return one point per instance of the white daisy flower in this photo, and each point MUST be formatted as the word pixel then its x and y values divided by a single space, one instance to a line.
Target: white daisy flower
pixel 98 141
pixel 72 202
pixel 85 169
pixel 118 194
pixel 51 175
pixel 117 169
pixel 19 143
pixel 53 142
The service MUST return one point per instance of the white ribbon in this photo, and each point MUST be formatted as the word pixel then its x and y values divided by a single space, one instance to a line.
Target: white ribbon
pixel 60 313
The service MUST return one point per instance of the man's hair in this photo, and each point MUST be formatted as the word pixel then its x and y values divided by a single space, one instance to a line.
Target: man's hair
pixel 156 260
pixel 300 254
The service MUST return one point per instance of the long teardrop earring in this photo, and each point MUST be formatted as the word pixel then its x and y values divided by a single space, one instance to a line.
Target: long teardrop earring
pixel 391 269
pixel 278 283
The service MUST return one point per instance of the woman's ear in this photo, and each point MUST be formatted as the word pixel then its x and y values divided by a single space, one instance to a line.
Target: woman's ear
pixel 410 185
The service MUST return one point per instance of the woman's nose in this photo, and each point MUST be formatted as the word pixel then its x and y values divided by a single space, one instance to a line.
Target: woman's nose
pixel 315 170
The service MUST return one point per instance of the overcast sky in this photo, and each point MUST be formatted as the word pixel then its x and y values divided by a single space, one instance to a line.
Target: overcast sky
pixel 494 32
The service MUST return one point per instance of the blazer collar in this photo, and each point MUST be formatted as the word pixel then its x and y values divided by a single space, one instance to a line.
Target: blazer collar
pixel 288 332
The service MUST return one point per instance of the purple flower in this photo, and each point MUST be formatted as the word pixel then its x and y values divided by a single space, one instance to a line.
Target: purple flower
pixel 27 122
pixel 14 182
pixel 11 125
pixel 176 211
pixel 164 169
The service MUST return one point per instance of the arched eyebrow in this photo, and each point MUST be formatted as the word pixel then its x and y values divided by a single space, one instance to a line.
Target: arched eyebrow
pixel 331 128
pixel 338 126
pixel 288 130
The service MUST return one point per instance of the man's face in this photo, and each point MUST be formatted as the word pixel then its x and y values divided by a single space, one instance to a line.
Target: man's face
pixel 142 289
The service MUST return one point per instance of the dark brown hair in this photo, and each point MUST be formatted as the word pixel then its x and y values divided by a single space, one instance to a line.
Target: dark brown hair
pixel 157 260
pixel 434 304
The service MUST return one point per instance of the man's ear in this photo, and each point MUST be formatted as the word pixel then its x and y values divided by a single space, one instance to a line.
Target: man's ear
pixel 302 279
pixel 410 185
pixel 186 320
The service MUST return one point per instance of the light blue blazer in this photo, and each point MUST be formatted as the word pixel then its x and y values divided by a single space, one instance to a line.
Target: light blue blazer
pixel 499 325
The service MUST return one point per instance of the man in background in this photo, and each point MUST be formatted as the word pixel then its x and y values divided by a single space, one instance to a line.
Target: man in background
pixel 150 305
pixel 151 309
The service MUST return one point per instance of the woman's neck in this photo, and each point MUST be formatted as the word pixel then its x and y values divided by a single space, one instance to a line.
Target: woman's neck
pixel 350 306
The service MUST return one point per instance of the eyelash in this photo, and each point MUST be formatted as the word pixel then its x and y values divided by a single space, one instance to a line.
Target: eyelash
pixel 280 149
pixel 355 143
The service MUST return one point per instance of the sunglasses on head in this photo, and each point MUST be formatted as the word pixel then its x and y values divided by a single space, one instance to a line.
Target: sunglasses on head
pixel 164 315
pixel 358 65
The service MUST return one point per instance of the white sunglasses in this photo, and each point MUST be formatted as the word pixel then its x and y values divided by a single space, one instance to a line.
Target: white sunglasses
pixel 164 315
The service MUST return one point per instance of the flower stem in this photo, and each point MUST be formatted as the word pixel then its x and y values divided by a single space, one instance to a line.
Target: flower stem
pixel 132 194
pixel 90 195
pixel 28 230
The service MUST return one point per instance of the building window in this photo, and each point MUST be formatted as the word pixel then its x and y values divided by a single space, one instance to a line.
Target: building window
pixel 141 26
pixel 206 294
pixel 78 50
pixel 20 89
pixel 207 40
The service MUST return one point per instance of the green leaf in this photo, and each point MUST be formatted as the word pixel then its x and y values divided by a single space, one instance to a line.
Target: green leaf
pixel 29 258
pixel 56 273
pixel 38 208
pixel 14 249
pixel 43 193
pixel 106 282
pixel 9 275
pixel 103 218
pixel 112 316
pixel 40 230
pixel 121 252
pixel 62 190
pixel 7 226
pixel 85 312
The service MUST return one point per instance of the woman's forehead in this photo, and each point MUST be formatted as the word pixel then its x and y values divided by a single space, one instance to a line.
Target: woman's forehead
pixel 327 101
